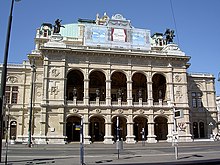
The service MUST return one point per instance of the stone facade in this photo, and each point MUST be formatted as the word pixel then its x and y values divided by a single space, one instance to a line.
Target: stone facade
pixel 138 85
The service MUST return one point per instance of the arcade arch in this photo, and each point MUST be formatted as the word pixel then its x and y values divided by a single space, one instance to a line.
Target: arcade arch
pixel 140 124
pixel 122 127
pixel 119 86
pixel 139 87
pixel 75 85
pixel 97 86
pixel 161 128
pixel 73 128
pixel 159 87
pixel 97 128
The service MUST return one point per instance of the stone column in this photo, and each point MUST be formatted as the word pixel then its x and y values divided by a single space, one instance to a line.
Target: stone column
pixel 151 138
pixel 86 129
pixel 130 132
pixel 108 130
pixel 140 101
pixel 129 89
pixel 108 92
pixel 86 91
pixel 150 93
pixel 129 92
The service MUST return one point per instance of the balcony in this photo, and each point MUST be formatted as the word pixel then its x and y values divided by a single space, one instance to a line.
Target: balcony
pixel 118 103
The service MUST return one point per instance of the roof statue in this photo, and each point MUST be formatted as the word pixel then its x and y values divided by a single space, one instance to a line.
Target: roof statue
pixel 57 26
pixel 169 36
pixel 102 20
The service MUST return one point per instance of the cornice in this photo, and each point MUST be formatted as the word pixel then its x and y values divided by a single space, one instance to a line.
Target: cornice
pixel 116 52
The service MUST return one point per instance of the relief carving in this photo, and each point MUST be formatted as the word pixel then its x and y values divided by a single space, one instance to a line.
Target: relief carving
pixel 38 91
pixel 98 111
pixel 55 72
pixel 178 93
pixel 141 111
pixel 39 77
pixel 75 110
pixel 120 111
pixel 161 111
pixel 178 78
pixel 53 89
pixel 12 79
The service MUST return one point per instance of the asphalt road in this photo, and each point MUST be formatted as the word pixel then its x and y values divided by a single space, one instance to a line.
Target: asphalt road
pixel 202 152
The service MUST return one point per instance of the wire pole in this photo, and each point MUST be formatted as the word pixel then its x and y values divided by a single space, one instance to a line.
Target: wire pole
pixel 174 22
pixel 4 74
pixel 118 135
pixel 81 144
pixel 31 103
pixel 175 140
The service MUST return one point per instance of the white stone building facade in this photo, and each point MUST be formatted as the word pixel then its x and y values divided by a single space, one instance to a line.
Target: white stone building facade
pixel 98 70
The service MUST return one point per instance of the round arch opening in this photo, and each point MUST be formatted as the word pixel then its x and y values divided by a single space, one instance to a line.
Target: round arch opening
pixel 139 87
pixel 140 128
pixel 122 128
pixel 159 87
pixel 75 85
pixel 97 86
pixel 161 128
pixel 97 128
pixel 118 86
pixel 73 124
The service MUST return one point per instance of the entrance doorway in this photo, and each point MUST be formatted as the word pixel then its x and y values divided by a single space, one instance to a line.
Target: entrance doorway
pixel 140 124
pixel 73 128
pixel 161 128
pixel 198 130
pixel 122 128
pixel 97 128
pixel 13 130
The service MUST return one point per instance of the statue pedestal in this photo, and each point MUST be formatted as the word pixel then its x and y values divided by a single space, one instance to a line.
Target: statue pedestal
pixel 97 101
pixel 56 40
pixel 140 101
pixel 74 100
pixel 119 101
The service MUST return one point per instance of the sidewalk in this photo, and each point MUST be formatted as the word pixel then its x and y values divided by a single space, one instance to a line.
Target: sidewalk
pixel 101 154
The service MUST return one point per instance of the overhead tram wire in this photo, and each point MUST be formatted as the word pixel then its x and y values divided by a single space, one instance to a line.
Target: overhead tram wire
pixel 171 5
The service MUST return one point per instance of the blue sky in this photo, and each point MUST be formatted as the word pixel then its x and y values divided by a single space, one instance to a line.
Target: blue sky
pixel 197 22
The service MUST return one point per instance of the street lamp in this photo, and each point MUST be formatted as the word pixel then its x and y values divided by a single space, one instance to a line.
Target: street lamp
pixel 4 74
